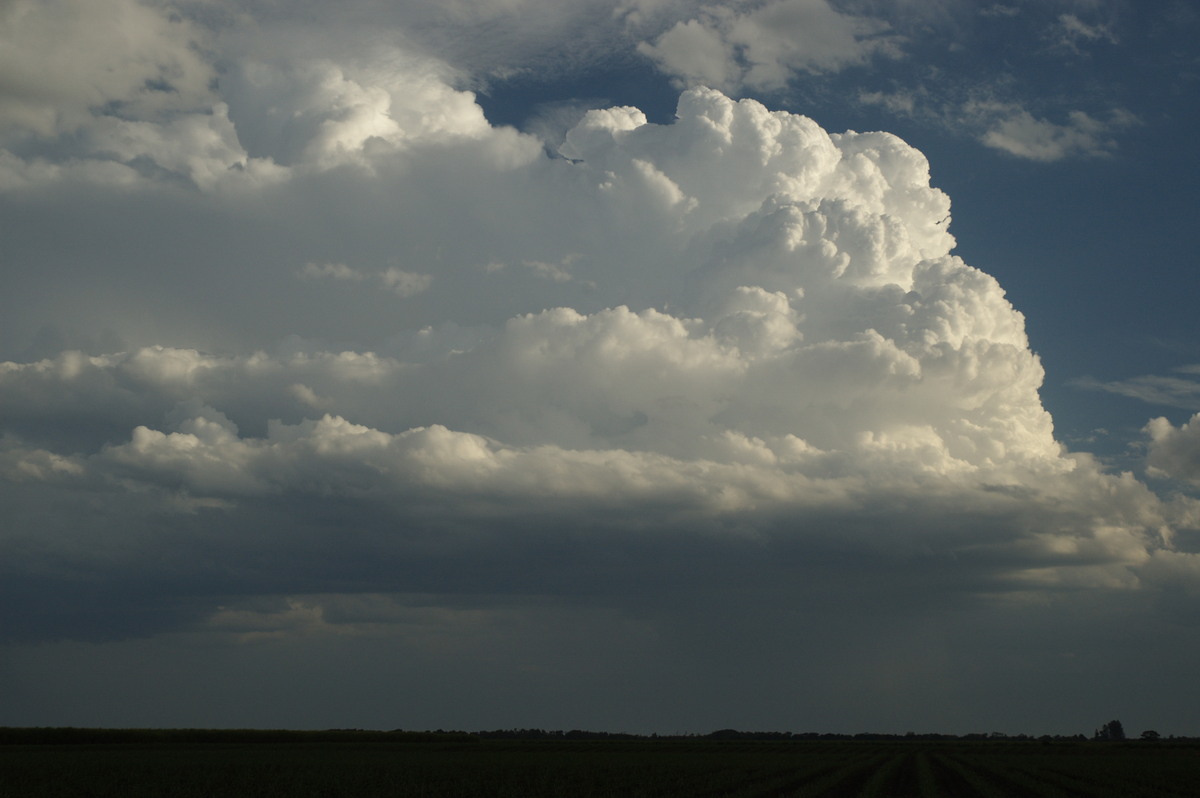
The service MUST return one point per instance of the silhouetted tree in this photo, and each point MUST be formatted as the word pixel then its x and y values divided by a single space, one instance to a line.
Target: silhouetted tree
pixel 1113 730
pixel 1150 735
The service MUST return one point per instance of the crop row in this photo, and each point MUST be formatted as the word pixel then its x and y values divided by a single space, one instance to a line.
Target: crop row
pixel 713 770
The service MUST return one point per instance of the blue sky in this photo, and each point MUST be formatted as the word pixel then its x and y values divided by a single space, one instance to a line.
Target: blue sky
pixel 653 366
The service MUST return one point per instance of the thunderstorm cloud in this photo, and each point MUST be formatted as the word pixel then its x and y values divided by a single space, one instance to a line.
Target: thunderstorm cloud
pixel 325 352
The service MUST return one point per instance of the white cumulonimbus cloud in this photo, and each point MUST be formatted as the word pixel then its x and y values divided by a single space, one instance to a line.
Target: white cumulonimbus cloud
pixel 737 329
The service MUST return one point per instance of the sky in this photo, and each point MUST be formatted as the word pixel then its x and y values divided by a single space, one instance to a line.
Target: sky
pixel 648 366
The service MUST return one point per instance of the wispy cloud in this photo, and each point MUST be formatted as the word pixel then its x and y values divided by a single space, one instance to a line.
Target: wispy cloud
pixel 1009 127
pixel 1000 10
pixel 1170 391
pixel 402 283
pixel 1070 32
pixel 331 271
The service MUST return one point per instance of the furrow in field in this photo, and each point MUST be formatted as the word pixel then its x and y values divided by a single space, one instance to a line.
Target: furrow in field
pixel 896 778
pixel 1014 780
pixel 1116 774
pixel 949 781
pixel 790 783
pixel 847 781
pixel 986 782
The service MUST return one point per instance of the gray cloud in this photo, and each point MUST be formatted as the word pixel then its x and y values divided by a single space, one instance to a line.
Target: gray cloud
pixel 1006 125
pixel 764 47
pixel 60 65
pixel 1174 451
pixel 1019 133
pixel 1094 24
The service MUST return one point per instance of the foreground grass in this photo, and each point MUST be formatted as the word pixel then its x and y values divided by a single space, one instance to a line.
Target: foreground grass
pixel 463 767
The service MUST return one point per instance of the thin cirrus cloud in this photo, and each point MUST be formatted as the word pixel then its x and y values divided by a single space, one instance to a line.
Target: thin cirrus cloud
pixel 723 365
pixel 1181 391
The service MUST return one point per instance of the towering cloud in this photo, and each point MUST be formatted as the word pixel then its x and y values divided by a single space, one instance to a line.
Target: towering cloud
pixel 755 331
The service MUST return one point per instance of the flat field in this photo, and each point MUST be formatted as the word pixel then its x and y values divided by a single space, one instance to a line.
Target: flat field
pixel 466 767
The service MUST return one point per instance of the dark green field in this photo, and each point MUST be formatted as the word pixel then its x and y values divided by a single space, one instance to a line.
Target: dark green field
pixel 417 765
